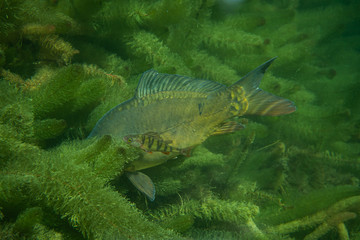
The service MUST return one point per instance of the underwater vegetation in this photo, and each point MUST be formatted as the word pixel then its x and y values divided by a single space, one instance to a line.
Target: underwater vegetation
pixel 64 64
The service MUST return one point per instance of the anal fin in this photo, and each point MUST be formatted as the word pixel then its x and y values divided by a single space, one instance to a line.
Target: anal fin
pixel 228 127
pixel 143 183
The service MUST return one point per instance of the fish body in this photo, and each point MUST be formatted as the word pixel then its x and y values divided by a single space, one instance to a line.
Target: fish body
pixel 184 112
pixel 186 118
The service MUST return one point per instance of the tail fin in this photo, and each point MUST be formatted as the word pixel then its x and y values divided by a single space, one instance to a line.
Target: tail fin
pixel 259 101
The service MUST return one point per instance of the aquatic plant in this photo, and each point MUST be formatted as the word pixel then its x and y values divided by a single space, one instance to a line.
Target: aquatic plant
pixel 332 218
pixel 75 187
pixel 64 64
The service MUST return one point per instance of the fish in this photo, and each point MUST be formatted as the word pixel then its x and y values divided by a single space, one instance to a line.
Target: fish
pixel 152 142
pixel 184 112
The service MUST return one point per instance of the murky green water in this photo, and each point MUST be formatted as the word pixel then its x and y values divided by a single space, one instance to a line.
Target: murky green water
pixel 65 63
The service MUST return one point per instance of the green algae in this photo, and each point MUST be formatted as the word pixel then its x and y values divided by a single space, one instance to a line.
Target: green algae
pixel 63 64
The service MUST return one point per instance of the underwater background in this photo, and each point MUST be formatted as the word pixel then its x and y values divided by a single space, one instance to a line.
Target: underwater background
pixel 65 63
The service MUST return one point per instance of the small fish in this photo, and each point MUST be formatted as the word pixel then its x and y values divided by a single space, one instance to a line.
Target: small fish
pixel 152 142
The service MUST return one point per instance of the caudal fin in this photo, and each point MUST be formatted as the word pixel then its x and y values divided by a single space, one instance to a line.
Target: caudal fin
pixel 260 102
pixel 264 103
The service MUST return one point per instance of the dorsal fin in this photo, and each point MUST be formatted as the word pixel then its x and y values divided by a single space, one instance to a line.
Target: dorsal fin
pixel 251 81
pixel 152 82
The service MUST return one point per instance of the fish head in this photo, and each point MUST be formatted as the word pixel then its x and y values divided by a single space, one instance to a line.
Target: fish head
pixel 133 141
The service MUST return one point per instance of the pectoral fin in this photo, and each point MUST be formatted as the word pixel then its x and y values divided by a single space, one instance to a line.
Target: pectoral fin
pixel 228 127
pixel 143 183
